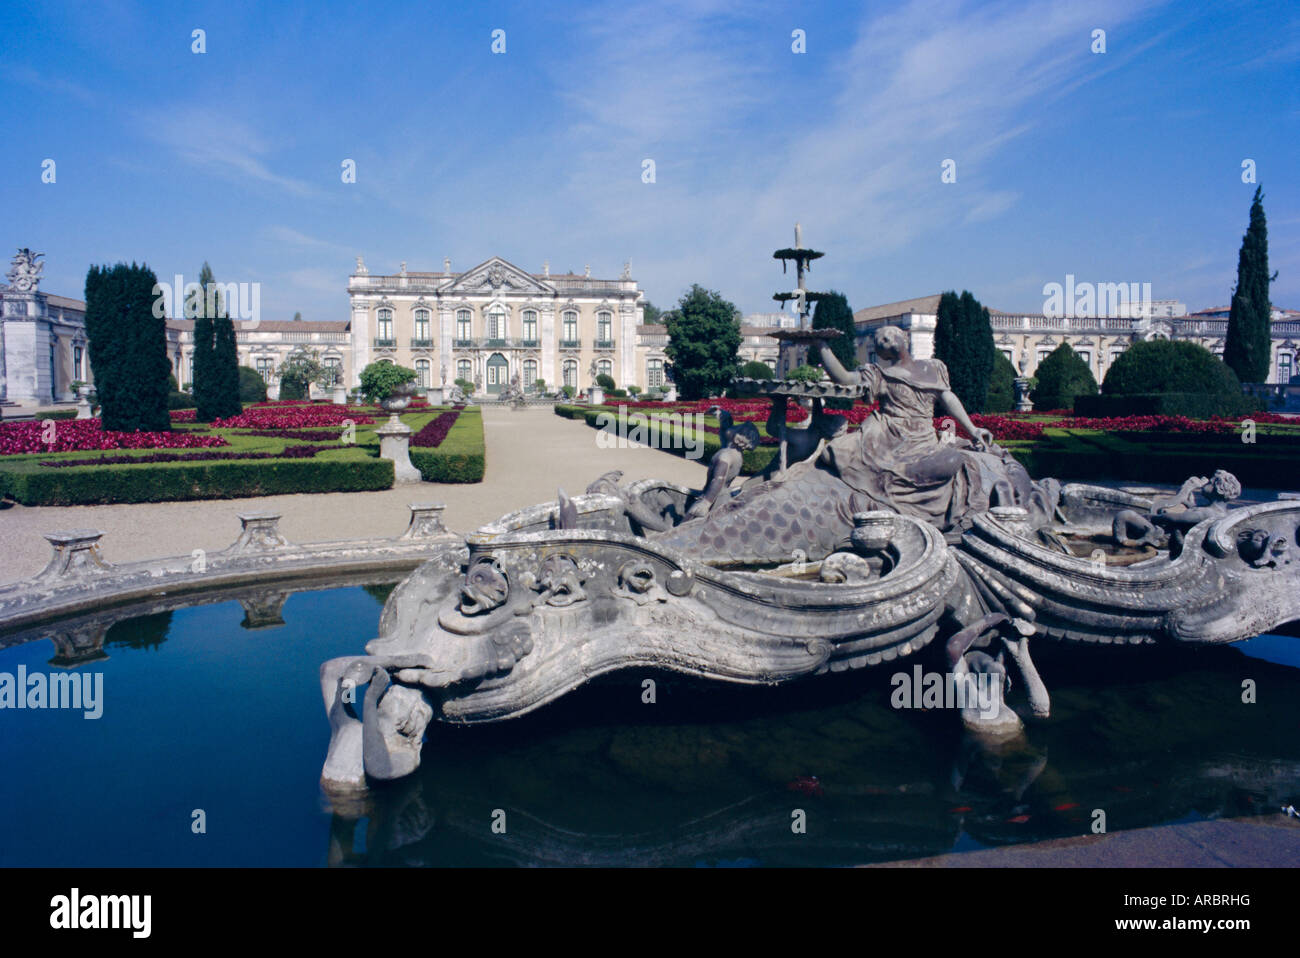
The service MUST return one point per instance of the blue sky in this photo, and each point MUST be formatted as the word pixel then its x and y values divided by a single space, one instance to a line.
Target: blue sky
pixel 1116 167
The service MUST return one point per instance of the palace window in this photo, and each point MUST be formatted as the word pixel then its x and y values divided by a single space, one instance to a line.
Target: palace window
pixel 264 369
pixel 422 324
pixel 530 325
pixel 605 368
pixel 654 374
pixel 530 371
pixel 1043 354
pixel 571 372
pixel 1086 356
pixel 1007 353
pixel 76 362
pixel 335 366
pixel 464 370
pixel 1115 354
pixel 570 328
pixel 464 325
pixel 496 323
pixel 384 328
pixel 1284 368
pixel 604 327
pixel 422 372
pixel 191 379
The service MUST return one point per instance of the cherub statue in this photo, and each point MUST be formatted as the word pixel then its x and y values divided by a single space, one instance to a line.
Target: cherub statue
pixel 724 467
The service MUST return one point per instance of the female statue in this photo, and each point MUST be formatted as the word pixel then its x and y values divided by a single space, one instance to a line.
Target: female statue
pixel 896 462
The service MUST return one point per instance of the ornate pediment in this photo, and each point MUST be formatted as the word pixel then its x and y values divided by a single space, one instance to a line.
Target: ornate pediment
pixel 495 277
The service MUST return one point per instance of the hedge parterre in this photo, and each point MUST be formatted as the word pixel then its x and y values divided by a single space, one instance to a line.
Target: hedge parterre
pixel 290 452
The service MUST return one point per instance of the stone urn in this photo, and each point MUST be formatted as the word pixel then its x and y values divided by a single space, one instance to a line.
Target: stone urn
pixel 872 532
pixel 395 435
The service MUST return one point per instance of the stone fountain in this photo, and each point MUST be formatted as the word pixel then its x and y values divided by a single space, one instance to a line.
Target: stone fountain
pixel 885 546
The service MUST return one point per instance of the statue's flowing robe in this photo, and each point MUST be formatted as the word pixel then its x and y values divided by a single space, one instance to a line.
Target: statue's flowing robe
pixel 895 462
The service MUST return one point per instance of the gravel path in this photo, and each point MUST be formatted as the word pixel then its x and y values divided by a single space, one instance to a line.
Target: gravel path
pixel 530 452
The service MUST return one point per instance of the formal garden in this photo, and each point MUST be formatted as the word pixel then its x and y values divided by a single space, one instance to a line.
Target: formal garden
pixel 270 448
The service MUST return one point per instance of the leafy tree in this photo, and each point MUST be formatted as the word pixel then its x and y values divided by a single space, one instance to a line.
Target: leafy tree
pixel 832 312
pixel 651 312
pixel 1248 347
pixel 128 348
pixel 605 381
pixel 756 369
pixel 378 380
pixel 252 387
pixel 300 371
pixel 1002 386
pixel 804 374
pixel 297 317
pixel 963 340
pixel 634 391
pixel 702 343
pixel 1062 376
pixel 539 384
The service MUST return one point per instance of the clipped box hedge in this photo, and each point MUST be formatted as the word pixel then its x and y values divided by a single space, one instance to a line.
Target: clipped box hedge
pixel 1191 405
pixel 460 457
pixel 34 485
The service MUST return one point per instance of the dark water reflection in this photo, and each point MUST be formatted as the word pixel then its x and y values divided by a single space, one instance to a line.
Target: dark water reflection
pixel 204 710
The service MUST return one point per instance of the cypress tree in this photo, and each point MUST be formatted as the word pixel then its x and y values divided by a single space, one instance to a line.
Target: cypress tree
pixel 225 356
pixel 832 312
pixel 963 340
pixel 128 348
pixel 1248 347
pixel 1062 376
pixel 202 387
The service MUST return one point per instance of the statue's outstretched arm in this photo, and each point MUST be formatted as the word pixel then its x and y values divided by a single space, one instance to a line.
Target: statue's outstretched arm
pixel 835 368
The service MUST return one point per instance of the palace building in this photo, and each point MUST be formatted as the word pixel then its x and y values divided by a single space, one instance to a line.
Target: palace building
pixel 496 321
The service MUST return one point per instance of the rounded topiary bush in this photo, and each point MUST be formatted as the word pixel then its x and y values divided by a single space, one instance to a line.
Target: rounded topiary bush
pixel 1169 366
pixel 252 388
pixel 1062 376
pixel 756 369
pixel 605 381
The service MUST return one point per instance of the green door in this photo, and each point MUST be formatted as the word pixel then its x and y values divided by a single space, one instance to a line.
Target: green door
pixel 496 373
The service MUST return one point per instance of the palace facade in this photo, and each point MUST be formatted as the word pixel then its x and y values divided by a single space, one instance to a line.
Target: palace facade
pixel 496 321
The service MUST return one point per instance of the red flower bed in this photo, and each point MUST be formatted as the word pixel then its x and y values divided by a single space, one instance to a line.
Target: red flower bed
pixel 1148 424
pixel 292 414
pixel 77 435
pixel 312 435
pixel 435 431
pixel 183 415
pixel 290 452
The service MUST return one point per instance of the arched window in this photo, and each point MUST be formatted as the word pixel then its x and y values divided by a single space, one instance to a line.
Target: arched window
pixel 570 328
pixel 530 326
pixel 1285 368
pixel 464 370
pixel 464 327
pixel 422 327
pixel 605 368
pixel 265 367
pixel 496 323
pixel 604 327
pixel 422 372
pixel 654 374
pixel 571 372
pixel 335 366
pixel 530 371
pixel 384 326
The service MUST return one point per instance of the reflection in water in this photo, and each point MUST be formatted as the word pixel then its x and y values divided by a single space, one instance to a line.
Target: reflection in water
pixel 711 775
pixel 707 774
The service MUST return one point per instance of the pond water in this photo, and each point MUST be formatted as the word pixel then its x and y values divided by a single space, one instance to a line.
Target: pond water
pixel 204 711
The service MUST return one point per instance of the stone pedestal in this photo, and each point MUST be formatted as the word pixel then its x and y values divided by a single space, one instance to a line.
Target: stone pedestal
pixel 76 553
pixel 434 395
pixel 671 395
pixel 339 395
pixel 395 444
pixel 595 395
pixel 426 521
pixel 83 408
pixel 1023 403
